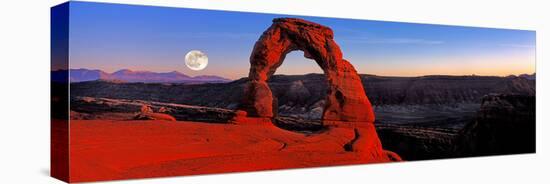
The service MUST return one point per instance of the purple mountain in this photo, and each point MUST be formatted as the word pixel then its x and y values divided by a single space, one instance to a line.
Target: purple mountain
pixel 125 75
pixel 79 75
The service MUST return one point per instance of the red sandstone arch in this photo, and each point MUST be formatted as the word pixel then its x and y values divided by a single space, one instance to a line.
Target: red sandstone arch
pixel 346 99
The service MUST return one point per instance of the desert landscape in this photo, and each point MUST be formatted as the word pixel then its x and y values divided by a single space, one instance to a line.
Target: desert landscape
pixel 138 123
pixel 405 110
pixel 113 133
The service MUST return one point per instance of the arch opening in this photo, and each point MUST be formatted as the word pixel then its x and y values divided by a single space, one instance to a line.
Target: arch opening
pixel 299 95
pixel 296 64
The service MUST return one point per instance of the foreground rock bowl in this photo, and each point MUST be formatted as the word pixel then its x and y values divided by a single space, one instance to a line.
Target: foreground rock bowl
pixel 114 149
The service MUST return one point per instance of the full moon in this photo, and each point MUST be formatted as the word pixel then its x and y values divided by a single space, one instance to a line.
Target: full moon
pixel 196 60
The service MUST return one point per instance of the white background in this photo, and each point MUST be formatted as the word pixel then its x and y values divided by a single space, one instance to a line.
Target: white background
pixel 24 91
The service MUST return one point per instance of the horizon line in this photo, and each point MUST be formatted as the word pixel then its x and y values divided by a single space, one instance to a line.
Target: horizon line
pixel 435 74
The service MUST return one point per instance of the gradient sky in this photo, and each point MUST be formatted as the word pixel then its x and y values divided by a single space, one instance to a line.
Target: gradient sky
pixel 113 36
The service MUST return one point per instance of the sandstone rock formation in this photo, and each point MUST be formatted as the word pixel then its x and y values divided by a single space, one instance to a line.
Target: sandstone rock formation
pixel 89 108
pixel 346 106
pixel 345 100
pixel 147 113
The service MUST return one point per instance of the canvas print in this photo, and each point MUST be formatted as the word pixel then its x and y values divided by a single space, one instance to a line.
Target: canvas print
pixel 144 91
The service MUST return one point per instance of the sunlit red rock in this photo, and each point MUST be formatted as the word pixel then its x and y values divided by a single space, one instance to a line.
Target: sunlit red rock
pixel 346 99
pixel 148 114
pixel 347 106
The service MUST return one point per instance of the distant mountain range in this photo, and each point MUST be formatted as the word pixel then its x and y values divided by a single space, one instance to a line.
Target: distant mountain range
pixel 125 75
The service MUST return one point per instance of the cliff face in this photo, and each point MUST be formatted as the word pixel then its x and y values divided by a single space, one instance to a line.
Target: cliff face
pixel 505 124
pixel 442 89
pixel 417 142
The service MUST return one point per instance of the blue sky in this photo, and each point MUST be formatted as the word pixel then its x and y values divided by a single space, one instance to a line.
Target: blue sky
pixel 113 36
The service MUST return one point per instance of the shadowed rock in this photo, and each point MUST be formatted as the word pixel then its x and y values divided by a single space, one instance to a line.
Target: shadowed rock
pixel 505 124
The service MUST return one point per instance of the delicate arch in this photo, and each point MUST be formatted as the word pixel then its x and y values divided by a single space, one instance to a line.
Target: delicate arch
pixel 346 99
